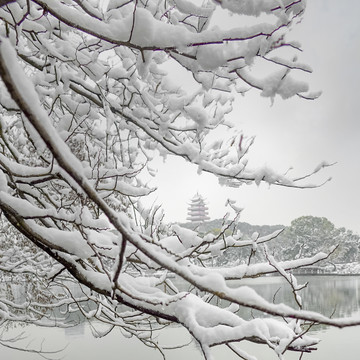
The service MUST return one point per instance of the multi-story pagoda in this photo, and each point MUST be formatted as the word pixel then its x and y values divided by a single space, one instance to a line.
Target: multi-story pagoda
pixel 197 209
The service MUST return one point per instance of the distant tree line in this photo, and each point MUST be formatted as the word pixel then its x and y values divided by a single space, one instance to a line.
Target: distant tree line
pixel 305 237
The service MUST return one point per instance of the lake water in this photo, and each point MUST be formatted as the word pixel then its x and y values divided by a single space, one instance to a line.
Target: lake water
pixel 328 294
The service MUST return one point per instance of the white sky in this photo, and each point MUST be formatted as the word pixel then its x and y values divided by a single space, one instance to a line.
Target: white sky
pixel 294 132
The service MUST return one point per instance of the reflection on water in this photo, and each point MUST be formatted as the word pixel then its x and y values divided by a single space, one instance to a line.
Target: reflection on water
pixel 336 296
pixel 324 294
pixel 332 295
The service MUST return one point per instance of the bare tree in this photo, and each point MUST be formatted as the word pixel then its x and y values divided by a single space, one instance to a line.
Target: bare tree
pixel 87 101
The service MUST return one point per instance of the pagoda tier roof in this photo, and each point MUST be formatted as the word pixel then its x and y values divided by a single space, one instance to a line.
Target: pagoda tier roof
pixel 197 200
pixel 197 207
pixel 199 215
pixel 194 219
pixel 198 212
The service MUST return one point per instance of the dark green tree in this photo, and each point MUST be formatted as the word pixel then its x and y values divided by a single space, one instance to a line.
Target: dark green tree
pixel 348 246
pixel 309 235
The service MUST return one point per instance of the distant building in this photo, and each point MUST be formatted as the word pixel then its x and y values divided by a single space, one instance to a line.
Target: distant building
pixel 197 209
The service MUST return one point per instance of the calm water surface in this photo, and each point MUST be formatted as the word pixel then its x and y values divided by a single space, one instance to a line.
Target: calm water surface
pixel 327 294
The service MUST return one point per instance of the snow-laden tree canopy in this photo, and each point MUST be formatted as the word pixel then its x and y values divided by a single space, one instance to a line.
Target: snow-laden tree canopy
pixel 87 100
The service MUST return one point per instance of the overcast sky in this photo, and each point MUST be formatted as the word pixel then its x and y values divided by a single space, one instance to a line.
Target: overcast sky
pixel 295 133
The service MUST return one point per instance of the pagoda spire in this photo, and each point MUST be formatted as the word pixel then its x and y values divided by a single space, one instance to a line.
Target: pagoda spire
pixel 197 209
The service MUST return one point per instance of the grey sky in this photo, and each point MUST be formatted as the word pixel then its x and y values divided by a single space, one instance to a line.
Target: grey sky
pixel 295 133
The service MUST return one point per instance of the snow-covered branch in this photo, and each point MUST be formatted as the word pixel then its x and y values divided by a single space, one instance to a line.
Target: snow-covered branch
pixel 87 102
